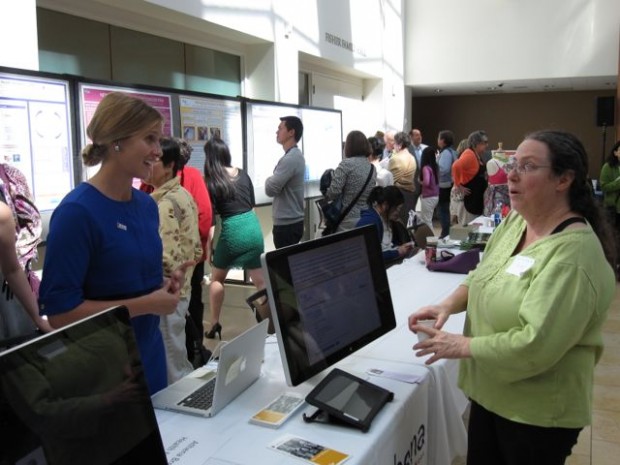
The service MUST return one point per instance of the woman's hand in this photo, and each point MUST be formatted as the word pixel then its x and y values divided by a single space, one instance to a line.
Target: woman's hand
pixel 440 313
pixel 405 250
pixel 43 324
pixel 442 345
pixel 164 300
pixel 210 249
pixel 454 303
pixel 463 190
pixel 178 276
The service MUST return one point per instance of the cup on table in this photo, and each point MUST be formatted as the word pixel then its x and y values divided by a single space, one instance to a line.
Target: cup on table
pixel 428 324
pixel 430 251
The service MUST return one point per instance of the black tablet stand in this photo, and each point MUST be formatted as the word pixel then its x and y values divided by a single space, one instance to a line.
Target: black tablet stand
pixel 321 416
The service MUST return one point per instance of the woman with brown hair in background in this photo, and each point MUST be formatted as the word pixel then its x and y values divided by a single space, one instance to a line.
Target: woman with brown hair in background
pixel 354 178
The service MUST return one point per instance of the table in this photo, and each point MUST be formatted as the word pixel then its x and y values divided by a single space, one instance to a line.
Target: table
pixel 422 425
pixel 413 286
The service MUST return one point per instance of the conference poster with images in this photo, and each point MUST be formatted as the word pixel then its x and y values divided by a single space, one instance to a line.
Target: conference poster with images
pixel 91 96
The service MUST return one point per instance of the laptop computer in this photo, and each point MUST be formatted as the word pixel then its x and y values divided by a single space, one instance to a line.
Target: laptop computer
pixel 78 395
pixel 205 392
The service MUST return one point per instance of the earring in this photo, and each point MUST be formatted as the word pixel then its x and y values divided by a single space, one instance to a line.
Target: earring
pixel 117 148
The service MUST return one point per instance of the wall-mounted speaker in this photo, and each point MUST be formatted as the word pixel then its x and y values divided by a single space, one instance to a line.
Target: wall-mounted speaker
pixel 605 109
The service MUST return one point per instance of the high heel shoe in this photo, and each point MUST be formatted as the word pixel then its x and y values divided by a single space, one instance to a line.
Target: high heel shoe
pixel 215 329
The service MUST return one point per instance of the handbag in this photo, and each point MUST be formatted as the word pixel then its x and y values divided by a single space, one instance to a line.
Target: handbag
pixel 462 263
pixel 333 212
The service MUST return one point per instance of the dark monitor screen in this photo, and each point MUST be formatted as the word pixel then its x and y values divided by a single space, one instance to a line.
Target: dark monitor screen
pixel 78 396
pixel 329 297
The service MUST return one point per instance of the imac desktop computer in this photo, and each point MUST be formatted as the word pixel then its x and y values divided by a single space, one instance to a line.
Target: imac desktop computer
pixel 329 297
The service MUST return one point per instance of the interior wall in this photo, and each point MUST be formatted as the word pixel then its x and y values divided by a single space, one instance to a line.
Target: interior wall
pixel 92 49
pixel 507 118
pixel 341 93
pixel 495 41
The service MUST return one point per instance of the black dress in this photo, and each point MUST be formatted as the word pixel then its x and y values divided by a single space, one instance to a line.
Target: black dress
pixel 474 201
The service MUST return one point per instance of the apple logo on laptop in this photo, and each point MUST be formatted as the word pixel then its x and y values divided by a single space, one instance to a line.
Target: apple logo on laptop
pixel 237 367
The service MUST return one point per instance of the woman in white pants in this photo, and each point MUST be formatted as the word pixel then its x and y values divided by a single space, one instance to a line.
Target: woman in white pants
pixel 178 228
pixel 430 185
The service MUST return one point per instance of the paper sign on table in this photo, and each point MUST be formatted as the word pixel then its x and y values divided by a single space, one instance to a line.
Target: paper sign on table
pixel 308 451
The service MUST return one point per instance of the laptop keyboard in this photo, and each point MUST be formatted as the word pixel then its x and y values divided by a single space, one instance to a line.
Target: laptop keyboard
pixel 201 398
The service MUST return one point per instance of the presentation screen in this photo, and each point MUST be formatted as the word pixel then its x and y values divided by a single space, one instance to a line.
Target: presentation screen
pixel 321 143
pixel 35 134
pixel 92 94
pixel 204 117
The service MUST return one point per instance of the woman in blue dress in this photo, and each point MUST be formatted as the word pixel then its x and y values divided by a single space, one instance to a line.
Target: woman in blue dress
pixel 103 247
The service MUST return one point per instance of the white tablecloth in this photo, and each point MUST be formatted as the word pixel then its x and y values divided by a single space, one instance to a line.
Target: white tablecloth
pixel 397 433
pixel 421 426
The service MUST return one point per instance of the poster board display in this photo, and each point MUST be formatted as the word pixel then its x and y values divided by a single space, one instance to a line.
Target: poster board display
pixel 35 133
pixel 321 143
pixel 322 146
pixel 263 150
pixel 203 117
pixel 90 95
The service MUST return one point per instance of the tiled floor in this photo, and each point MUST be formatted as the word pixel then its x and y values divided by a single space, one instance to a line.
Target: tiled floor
pixel 600 443
pixel 597 445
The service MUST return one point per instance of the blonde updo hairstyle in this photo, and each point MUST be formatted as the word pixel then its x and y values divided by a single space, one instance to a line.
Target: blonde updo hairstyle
pixel 118 116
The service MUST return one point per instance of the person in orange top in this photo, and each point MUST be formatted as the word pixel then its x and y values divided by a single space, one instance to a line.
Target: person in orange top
pixel 469 174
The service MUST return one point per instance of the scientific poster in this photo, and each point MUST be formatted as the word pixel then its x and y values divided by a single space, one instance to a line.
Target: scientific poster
pixel 321 143
pixel 91 96
pixel 35 134
pixel 263 148
pixel 203 118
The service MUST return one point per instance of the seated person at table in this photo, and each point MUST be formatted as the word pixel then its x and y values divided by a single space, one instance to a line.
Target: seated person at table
pixel 385 204
pixel 535 308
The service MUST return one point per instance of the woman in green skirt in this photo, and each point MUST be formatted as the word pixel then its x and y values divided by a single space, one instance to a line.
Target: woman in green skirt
pixel 240 243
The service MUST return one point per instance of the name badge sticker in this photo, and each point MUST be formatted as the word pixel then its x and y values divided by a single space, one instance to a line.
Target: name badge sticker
pixel 520 265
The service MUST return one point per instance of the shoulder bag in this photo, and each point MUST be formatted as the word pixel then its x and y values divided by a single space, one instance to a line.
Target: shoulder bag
pixel 333 212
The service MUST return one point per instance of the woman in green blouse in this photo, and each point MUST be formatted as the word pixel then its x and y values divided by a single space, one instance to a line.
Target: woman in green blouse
pixel 535 307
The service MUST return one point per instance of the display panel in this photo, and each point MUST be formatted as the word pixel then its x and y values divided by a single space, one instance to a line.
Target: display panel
pixel 203 117
pixel 329 297
pixel 91 96
pixel 322 146
pixel 321 143
pixel 262 119
pixel 35 134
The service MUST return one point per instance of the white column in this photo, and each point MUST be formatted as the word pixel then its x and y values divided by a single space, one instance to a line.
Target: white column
pixel 259 72
pixel 18 34
pixel 286 59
